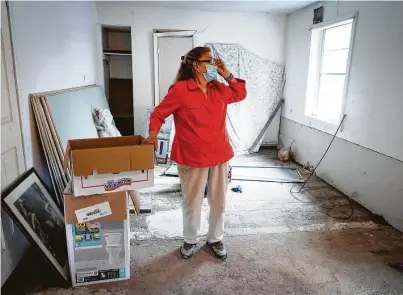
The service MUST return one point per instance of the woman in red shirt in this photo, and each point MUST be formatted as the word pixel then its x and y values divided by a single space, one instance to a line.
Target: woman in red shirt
pixel 201 146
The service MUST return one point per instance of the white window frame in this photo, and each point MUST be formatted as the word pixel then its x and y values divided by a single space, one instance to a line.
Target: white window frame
pixel 156 36
pixel 314 82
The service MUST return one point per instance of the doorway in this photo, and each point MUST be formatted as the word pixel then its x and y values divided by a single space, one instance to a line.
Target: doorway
pixel 13 242
pixel 169 46
pixel 118 76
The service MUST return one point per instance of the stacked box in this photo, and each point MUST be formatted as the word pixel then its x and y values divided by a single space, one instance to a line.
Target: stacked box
pixel 96 205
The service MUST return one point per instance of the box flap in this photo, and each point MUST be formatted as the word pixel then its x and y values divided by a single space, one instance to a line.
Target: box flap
pixel 109 155
pixel 66 158
pixel 117 202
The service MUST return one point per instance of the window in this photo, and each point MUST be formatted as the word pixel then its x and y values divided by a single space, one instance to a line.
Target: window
pixel 328 68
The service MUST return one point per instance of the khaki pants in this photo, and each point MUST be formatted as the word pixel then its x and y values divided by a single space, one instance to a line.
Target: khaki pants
pixel 194 182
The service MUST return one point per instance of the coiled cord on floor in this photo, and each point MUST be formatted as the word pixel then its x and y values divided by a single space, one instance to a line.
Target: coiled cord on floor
pixel 303 188
pixel 346 209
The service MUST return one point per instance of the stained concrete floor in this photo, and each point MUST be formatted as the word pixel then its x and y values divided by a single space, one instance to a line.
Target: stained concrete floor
pixel 278 244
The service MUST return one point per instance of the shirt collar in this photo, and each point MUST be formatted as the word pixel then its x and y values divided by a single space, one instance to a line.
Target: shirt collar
pixel 192 85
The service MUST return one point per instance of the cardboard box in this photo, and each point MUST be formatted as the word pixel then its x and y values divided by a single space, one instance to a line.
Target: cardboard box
pixel 103 207
pixel 111 164
pixel 99 252
pixel 99 249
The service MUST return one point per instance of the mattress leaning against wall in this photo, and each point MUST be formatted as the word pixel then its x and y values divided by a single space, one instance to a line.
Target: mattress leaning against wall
pixel 247 121
pixel 61 116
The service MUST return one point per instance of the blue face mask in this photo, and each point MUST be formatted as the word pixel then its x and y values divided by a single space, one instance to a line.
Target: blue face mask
pixel 211 73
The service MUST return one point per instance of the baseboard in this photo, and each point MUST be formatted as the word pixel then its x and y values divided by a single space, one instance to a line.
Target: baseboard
pixel 268 146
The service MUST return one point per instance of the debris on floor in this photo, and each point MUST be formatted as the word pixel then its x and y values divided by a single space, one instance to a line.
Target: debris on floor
pixel 284 154
pixel 237 189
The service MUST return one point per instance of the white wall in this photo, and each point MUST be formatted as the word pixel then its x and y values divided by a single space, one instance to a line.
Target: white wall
pixel 55 48
pixel 261 33
pixel 367 156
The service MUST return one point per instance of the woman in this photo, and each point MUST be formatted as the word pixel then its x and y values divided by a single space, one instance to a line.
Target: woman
pixel 201 145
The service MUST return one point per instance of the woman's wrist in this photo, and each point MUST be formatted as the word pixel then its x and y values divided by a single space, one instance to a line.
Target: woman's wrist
pixel 229 78
pixel 225 74
pixel 153 134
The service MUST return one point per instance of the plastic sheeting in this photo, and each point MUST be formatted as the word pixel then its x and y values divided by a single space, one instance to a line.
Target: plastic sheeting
pixel 248 120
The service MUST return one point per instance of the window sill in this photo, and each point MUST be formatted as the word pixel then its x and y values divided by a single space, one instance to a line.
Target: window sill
pixel 323 120
pixel 322 124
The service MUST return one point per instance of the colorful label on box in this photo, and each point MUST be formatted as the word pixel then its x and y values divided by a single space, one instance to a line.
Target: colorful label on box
pixel 112 185
pixel 100 275
pixel 111 182
pixel 87 235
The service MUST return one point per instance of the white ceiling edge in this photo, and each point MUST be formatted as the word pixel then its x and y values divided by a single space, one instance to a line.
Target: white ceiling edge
pixel 272 7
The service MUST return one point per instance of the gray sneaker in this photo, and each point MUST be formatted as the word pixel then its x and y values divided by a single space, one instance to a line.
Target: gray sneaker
pixel 187 250
pixel 218 249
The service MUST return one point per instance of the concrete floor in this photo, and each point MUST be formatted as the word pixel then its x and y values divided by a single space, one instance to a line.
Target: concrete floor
pixel 277 244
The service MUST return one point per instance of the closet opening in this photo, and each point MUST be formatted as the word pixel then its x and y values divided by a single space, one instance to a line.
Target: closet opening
pixel 118 75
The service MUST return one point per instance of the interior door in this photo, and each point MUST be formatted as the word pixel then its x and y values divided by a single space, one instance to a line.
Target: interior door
pixel 13 242
pixel 169 58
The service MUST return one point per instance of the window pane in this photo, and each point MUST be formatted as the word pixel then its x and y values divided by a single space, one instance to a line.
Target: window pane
pixel 334 61
pixel 330 97
pixel 337 37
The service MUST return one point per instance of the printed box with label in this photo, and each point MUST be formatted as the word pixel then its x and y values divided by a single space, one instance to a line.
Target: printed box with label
pixel 103 207
pixel 99 252
pixel 97 234
pixel 110 164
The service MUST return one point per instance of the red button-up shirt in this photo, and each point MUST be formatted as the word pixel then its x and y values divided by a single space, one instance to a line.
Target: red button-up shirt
pixel 201 138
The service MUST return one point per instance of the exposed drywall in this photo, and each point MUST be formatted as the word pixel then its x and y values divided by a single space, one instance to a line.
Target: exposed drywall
pixel 55 48
pixel 374 107
pixel 261 33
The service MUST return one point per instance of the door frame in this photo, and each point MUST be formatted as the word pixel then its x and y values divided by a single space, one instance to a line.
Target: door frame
pixel 11 62
pixel 16 245
pixel 170 34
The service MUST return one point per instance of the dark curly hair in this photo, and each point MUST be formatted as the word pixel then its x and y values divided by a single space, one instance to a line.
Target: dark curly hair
pixel 185 71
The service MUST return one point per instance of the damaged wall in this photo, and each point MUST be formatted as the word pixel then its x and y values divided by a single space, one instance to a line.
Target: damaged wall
pixel 366 160
pixel 261 33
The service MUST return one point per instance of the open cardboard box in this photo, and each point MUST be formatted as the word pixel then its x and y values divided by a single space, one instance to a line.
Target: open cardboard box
pixel 110 164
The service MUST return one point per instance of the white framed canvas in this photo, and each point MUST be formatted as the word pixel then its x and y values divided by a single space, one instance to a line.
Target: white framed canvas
pixel 33 209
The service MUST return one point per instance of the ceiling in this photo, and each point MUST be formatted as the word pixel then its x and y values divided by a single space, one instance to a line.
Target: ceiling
pixel 230 6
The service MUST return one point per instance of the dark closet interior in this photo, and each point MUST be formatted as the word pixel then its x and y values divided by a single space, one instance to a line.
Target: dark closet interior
pixel 118 76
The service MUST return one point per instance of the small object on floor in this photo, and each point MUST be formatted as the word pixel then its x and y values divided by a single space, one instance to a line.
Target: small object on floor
pixel 237 189
pixel 396 265
pixel 218 249
pixel 284 154
pixel 187 250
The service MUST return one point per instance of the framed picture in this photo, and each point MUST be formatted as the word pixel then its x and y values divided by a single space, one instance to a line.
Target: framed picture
pixel 33 210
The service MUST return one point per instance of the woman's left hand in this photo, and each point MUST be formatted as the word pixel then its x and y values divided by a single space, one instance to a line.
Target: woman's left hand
pixel 222 68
